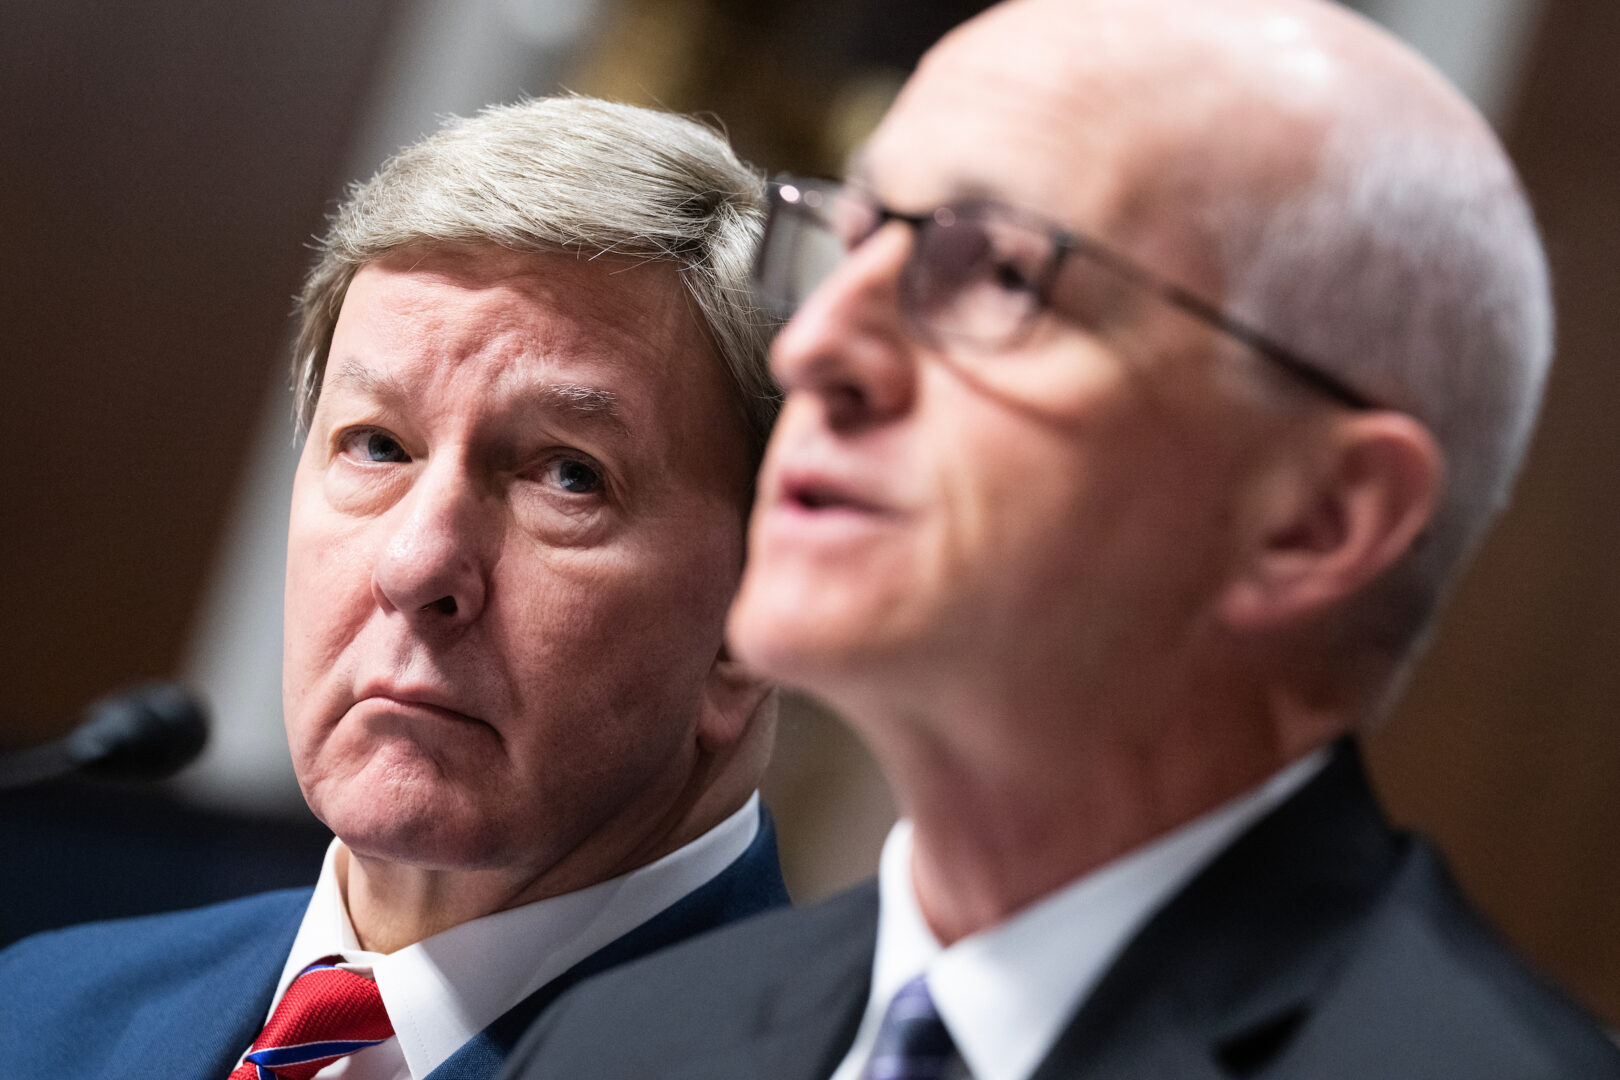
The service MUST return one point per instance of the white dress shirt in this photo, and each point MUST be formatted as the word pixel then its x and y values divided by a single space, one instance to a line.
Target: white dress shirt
pixel 1006 993
pixel 442 991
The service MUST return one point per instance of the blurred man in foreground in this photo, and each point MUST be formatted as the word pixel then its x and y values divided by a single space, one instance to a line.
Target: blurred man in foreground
pixel 535 397
pixel 1151 381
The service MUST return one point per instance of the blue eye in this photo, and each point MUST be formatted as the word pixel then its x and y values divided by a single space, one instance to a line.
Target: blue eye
pixel 380 447
pixel 374 446
pixel 573 476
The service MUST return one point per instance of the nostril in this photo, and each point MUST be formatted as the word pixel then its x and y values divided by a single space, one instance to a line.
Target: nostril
pixel 444 605
pixel 847 405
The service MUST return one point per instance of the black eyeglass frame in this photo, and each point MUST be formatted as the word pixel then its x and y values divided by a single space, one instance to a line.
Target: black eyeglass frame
pixel 784 197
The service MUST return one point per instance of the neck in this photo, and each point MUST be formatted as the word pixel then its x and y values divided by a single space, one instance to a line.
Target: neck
pixel 1019 780
pixel 392 905
pixel 988 842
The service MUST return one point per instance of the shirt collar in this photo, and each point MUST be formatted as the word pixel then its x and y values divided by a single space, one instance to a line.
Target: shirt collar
pixel 1006 993
pixel 442 991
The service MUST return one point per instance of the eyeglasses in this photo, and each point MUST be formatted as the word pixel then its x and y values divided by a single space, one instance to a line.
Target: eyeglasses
pixel 979 272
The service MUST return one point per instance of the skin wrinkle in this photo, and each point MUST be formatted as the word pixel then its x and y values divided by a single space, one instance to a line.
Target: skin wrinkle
pixel 351 373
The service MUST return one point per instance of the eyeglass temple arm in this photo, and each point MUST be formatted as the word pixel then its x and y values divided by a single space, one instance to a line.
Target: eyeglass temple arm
pixel 1295 365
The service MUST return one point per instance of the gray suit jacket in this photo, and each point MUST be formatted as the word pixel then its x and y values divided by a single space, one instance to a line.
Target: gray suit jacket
pixel 1320 945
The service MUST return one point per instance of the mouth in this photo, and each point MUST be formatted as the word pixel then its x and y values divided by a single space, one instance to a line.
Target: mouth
pixel 421 701
pixel 810 494
pixel 822 513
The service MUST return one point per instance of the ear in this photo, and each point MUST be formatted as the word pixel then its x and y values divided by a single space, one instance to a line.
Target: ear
pixel 734 699
pixel 1336 520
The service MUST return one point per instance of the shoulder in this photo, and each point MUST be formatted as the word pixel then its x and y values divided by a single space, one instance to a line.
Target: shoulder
pixel 183 933
pixel 714 991
pixel 745 958
pixel 84 973
pixel 1374 963
pixel 1441 990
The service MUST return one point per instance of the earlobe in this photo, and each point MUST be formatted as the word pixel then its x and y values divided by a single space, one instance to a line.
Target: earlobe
pixel 735 702
pixel 1341 525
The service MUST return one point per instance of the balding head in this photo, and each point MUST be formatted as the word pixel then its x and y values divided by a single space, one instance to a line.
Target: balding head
pixel 1170 356
pixel 1325 184
pixel 1208 348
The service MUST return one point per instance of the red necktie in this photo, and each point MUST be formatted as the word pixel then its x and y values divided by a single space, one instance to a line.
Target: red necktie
pixel 325 1014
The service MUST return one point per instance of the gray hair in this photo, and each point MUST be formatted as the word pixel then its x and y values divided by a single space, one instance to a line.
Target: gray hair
pixel 1411 267
pixel 571 174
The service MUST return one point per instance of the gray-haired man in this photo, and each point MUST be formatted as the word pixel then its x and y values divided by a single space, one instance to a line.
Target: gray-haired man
pixel 535 397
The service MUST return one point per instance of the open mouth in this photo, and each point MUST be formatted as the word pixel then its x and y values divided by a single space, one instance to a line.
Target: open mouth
pixel 818 496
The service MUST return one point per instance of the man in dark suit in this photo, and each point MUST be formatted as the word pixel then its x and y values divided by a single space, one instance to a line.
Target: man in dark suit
pixel 1172 357
pixel 535 396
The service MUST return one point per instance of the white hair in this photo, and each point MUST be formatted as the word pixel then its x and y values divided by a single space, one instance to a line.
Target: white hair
pixel 570 174
pixel 1410 267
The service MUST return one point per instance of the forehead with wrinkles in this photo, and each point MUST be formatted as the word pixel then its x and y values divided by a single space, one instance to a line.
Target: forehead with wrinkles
pixel 652 304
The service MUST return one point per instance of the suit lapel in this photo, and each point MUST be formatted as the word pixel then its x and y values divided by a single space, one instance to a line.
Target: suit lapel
pixel 806 1017
pixel 200 1024
pixel 1222 978
pixel 750 885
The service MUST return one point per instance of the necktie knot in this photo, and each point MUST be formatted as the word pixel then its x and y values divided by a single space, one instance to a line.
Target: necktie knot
pixel 325 1014
pixel 912 1043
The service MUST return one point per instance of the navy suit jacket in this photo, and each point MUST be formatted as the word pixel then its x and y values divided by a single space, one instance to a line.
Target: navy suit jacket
pixel 1321 945
pixel 181 996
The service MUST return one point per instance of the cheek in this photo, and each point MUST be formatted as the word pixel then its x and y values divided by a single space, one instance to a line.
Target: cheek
pixel 1120 538
pixel 1006 484
pixel 327 600
pixel 560 632
pixel 602 627
pixel 1039 514
pixel 328 591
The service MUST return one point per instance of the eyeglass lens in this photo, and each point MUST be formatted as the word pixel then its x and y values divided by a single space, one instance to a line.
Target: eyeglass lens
pixel 972 274
pixel 980 272
pixel 801 247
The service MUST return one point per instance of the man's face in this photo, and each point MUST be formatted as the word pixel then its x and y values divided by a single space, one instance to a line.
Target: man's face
pixel 1044 520
pixel 516 525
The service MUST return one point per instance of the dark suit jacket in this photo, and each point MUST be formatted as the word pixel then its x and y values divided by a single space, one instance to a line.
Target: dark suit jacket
pixel 181 996
pixel 1320 945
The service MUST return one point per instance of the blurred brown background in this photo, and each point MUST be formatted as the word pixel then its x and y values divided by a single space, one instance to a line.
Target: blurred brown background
pixel 166 162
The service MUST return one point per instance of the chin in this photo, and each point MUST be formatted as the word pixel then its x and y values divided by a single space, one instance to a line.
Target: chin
pixel 410 820
pixel 797 648
pixel 768 635
pixel 426 845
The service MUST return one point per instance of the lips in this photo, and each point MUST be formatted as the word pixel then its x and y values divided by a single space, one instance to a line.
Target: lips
pixel 425 699
pixel 815 508
pixel 813 493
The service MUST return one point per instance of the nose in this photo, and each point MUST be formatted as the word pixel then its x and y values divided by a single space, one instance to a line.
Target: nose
pixel 848 345
pixel 433 567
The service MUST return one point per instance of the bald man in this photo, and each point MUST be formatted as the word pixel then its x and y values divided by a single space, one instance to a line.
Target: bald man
pixel 1171 359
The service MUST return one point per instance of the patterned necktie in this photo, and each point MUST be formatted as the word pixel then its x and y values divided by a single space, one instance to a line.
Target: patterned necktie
pixel 325 1014
pixel 912 1044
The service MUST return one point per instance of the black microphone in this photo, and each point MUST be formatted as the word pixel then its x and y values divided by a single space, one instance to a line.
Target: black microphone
pixel 145 733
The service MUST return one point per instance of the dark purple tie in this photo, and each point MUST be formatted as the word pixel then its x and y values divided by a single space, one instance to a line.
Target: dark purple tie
pixel 912 1044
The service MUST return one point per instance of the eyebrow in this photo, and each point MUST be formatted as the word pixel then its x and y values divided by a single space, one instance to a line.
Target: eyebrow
pixel 351 374
pixel 589 402
pixel 592 403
